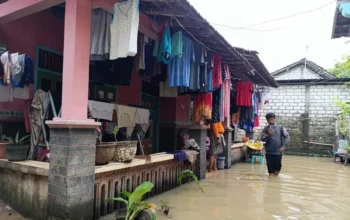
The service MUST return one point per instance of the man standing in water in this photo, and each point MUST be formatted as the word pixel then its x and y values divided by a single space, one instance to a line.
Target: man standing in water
pixel 276 140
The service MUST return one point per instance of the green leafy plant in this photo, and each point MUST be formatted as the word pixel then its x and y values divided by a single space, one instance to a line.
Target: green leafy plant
pixel 17 141
pixel 192 176
pixel 135 203
pixel 347 148
pixel 115 132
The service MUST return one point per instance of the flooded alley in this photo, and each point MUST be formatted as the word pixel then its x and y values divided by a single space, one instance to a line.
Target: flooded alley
pixel 308 188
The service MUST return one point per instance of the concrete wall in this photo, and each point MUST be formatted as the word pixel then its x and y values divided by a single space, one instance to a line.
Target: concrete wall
pixel 306 111
pixel 24 192
pixel 23 35
pixel 298 72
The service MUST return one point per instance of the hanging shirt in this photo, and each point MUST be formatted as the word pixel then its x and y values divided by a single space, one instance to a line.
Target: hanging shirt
pixel 244 93
pixel 217 71
pixel 16 78
pixel 164 52
pixel 215 116
pixel 202 106
pixel 28 76
pixel 124 29
pixel 176 44
pixel 100 34
pixel 179 67
pixel 195 69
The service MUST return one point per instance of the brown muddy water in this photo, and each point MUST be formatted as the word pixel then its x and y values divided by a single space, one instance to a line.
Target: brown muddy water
pixel 308 188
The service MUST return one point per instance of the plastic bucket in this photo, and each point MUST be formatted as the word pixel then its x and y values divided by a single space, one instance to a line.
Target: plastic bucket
pixel 220 163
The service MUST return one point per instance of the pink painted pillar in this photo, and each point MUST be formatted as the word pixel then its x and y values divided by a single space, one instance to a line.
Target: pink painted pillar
pixel 76 59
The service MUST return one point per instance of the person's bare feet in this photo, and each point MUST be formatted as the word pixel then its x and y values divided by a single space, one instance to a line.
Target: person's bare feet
pixel 276 173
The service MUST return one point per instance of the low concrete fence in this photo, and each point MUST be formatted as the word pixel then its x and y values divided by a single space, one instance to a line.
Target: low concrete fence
pixel 24 185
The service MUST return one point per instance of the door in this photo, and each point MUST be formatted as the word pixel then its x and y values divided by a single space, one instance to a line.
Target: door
pixel 151 139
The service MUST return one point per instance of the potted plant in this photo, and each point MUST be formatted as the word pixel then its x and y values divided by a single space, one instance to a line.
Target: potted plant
pixel 136 207
pixel 125 151
pixel 17 148
pixel 3 144
pixel 104 151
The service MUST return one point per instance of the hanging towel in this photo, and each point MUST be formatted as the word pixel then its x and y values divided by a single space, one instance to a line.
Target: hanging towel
pixel 6 94
pixel 21 93
pixel 166 91
pixel 142 116
pixel 124 29
pixel 101 110
pixel 126 116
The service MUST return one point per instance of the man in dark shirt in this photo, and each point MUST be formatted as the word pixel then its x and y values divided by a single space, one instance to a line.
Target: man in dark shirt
pixel 276 140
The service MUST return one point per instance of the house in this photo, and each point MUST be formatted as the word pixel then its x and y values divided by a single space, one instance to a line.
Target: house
pixel 305 103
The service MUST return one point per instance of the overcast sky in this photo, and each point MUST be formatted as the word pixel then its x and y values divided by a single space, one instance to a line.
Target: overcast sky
pixel 307 35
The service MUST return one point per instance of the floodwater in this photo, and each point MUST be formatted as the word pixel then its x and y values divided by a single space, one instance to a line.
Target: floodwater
pixel 308 188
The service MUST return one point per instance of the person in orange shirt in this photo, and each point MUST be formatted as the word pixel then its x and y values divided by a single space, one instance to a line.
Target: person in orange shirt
pixel 215 132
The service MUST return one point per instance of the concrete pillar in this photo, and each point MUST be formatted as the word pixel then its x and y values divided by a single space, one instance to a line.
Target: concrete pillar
pixel 72 169
pixel 76 56
pixel 199 133
pixel 227 150
pixel 73 137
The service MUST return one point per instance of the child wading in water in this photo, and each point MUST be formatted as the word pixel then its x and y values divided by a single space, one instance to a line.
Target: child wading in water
pixel 276 140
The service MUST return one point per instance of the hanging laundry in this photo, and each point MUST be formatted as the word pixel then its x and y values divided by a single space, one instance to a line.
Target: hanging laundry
pixel 126 116
pixel 101 110
pixel 112 72
pixel 100 34
pixel 164 52
pixel 244 93
pixel 21 93
pixel 177 44
pixel 142 116
pixel 227 92
pixel 195 69
pixel 124 28
pixel 16 78
pixel 142 61
pixel 28 76
pixel 156 49
pixel 150 62
pixel 179 67
pixel 217 71
pixel 215 116
pixel 166 91
pixel 6 93
pixel 202 107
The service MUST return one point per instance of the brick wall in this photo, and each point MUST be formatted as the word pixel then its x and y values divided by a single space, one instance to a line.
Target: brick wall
pixel 307 111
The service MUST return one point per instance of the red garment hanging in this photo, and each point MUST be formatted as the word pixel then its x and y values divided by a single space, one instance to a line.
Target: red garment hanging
pixel 217 76
pixel 244 94
pixel 202 107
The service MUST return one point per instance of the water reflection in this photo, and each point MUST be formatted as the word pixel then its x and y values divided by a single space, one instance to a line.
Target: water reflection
pixel 308 188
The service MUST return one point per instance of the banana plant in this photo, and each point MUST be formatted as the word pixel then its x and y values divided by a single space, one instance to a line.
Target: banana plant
pixel 134 202
pixel 192 176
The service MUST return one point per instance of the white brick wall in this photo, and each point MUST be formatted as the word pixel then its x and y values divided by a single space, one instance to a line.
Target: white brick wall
pixel 288 102
pixel 296 73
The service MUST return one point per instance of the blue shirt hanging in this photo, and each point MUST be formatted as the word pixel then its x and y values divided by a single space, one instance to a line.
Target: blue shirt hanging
pixel 165 47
